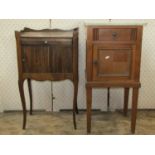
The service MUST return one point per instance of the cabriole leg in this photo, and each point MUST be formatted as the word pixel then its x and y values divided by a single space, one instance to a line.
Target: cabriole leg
pixel 21 91
pixel 30 94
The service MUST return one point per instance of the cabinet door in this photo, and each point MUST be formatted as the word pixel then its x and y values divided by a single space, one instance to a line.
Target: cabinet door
pixel 112 61
pixel 61 58
pixel 35 58
pixel 52 57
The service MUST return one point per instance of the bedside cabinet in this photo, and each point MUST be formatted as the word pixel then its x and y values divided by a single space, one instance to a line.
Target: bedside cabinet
pixel 113 60
pixel 47 55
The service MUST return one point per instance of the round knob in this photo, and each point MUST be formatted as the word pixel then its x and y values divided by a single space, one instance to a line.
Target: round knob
pixel 114 34
pixel 23 60
pixel 95 62
pixel 45 41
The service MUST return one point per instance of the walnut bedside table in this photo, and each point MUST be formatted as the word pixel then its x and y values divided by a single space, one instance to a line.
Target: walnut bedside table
pixel 47 55
pixel 113 60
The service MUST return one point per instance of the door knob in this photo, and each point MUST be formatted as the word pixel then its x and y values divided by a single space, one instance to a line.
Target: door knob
pixel 45 41
pixel 95 62
pixel 23 60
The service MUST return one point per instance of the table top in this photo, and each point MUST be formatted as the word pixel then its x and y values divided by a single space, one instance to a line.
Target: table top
pixel 114 24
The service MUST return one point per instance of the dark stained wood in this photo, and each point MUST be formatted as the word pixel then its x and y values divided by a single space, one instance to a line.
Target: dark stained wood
pixel 89 107
pixel 49 54
pixel 75 109
pixel 113 60
pixel 21 91
pixel 55 58
pixel 108 99
pixel 30 94
pixel 126 100
pixel 48 76
pixel 75 49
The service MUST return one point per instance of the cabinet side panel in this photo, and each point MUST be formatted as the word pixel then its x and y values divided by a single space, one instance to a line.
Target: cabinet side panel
pixel 89 53
pixel 75 55
pixel 138 53
pixel 17 35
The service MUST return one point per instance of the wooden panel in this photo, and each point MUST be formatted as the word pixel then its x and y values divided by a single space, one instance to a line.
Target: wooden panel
pixel 45 59
pixel 46 41
pixel 112 61
pixel 114 34
pixel 35 59
pixel 48 76
pixel 61 59
pixel 89 59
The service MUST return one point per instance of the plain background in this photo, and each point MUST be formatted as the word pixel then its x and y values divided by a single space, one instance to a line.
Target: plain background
pixel 63 91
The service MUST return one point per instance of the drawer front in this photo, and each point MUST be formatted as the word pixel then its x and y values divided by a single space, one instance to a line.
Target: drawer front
pixel 112 62
pixel 114 34
pixel 45 41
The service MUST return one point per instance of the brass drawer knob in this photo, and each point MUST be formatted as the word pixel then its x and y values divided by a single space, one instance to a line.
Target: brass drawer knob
pixel 114 34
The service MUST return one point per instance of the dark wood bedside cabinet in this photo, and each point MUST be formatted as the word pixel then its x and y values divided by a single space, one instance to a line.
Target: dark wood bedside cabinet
pixel 113 60
pixel 47 55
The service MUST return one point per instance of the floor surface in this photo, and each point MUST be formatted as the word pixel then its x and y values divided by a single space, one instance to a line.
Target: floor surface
pixel 103 123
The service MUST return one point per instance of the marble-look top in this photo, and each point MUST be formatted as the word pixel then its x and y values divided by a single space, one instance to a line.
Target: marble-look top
pixel 114 24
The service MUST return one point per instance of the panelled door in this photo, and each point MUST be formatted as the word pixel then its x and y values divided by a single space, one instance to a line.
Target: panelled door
pixel 113 61
pixel 46 56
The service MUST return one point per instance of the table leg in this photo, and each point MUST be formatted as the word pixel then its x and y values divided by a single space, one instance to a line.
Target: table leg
pixel 134 109
pixel 89 107
pixel 108 99
pixel 21 91
pixel 76 94
pixel 30 94
pixel 75 110
pixel 126 100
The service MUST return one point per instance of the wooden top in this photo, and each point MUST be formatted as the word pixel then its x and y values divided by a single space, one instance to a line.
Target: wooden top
pixel 47 33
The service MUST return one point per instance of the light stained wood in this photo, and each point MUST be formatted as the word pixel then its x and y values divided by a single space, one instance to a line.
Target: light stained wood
pixel 113 60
